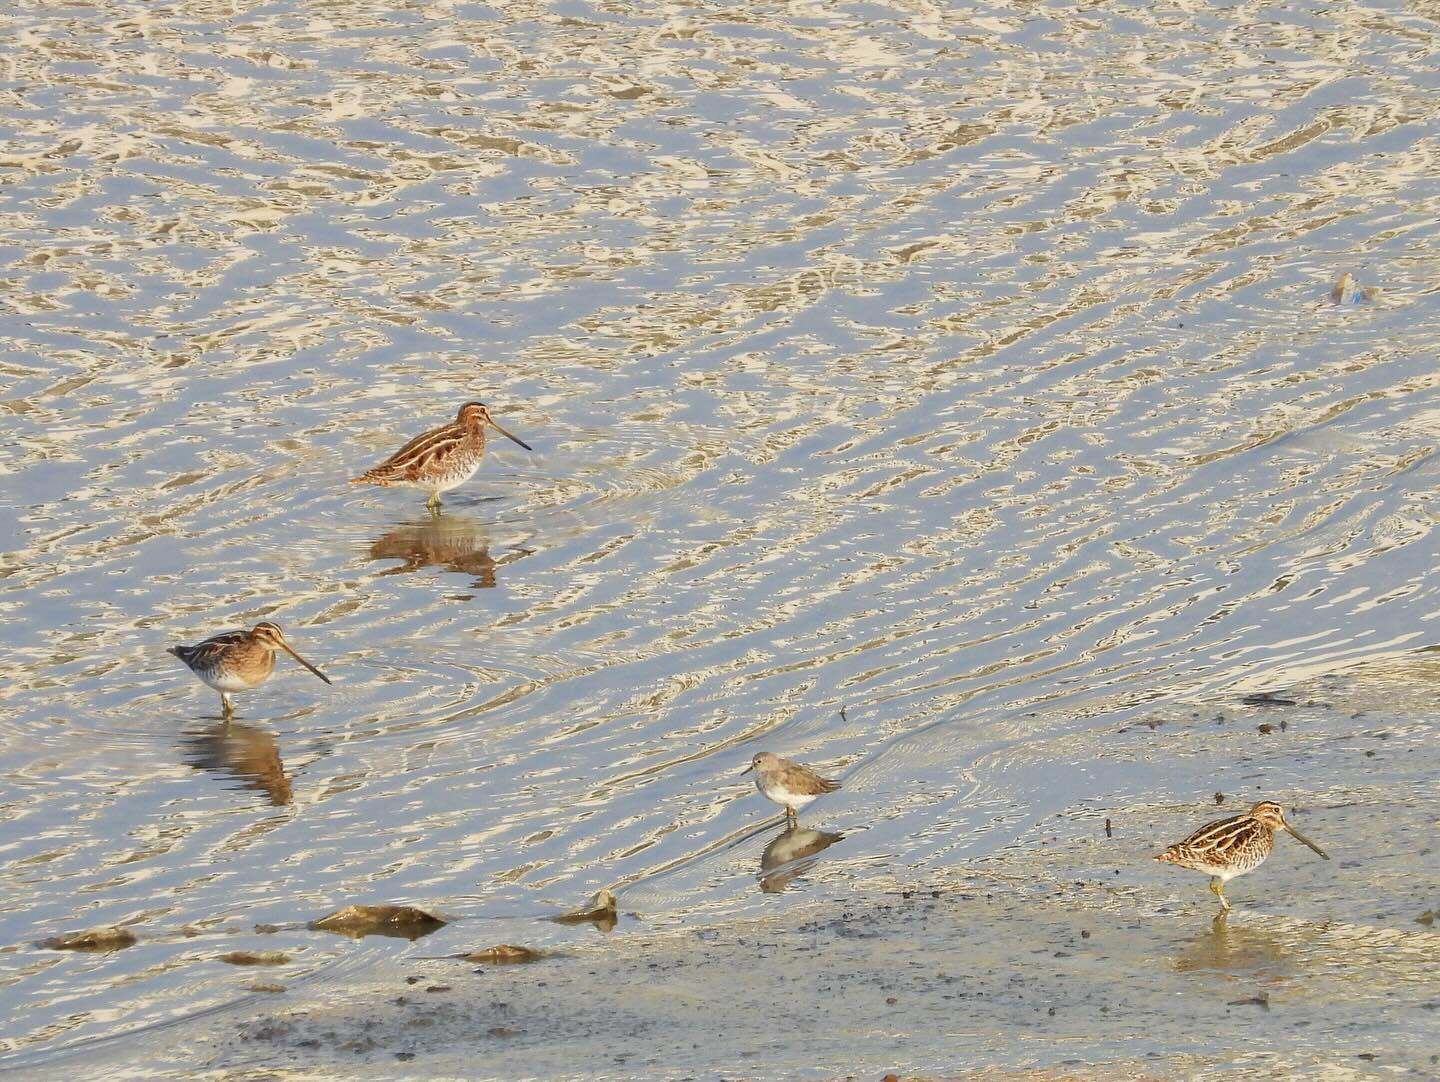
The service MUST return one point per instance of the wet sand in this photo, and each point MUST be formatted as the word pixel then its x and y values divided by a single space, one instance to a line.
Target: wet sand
pixel 1068 955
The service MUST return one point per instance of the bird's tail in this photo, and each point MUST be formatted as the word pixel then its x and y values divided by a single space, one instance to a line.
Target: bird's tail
pixel 374 477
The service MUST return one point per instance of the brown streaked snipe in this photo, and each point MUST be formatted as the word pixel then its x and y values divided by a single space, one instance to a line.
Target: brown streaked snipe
pixel 441 459
pixel 238 660
pixel 787 783
pixel 1230 847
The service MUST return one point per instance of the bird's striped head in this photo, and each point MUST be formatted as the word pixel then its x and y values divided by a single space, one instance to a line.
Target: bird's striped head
pixel 473 415
pixel 269 634
pixel 1271 814
pixel 476 415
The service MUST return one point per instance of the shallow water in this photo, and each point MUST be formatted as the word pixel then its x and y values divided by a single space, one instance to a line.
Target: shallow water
pixel 972 370
pixel 1069 954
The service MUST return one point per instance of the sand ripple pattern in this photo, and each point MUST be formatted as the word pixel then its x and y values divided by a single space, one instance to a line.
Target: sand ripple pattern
pixel 968 368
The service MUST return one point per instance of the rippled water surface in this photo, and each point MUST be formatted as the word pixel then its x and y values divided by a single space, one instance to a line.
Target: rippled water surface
pixel 912 387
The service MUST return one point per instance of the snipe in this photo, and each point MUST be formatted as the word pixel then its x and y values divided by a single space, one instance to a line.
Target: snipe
pixel 441 459
pixel 1230 847
pixel 238 660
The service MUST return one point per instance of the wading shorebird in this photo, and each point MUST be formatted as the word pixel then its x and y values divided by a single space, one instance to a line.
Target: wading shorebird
pixel 787 783
pixel 238 660
pixel 1230 847
pixel 441 459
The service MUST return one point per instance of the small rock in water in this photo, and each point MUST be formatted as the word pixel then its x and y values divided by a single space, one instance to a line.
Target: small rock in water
pixel 1266 698
pixel 96 939
pixel 256 958
pixel 1260 1000
pixel 504 954
pixel 403 921
pixel 1346 291
pixel 600 911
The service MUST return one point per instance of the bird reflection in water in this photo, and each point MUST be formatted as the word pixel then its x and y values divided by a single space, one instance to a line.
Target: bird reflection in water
pixel 244 752
pixel 1247 950
pixel 790 854
pixel 453 542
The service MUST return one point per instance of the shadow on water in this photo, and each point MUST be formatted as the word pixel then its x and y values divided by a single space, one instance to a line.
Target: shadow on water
pixel 241 751
pixel 791 854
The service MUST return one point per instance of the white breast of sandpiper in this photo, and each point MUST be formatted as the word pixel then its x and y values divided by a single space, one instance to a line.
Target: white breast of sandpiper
pixel 780 794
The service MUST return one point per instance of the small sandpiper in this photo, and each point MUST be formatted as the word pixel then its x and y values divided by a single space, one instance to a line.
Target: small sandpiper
pixel 441 459
pixel 788 783
pixel 238 660
pixel 1230 847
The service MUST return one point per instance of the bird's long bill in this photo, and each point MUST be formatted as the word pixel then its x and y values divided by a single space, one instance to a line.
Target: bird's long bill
pixel 307 664
pixel 748 769
pixel 1301 838
pixel 506 432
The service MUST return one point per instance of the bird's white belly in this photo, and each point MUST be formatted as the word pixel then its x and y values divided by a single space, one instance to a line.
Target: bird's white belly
pixel 782 795
pixel 229 681
pixel 453 479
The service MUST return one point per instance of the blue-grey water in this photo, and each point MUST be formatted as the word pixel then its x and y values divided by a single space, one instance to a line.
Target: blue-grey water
pixel 921 391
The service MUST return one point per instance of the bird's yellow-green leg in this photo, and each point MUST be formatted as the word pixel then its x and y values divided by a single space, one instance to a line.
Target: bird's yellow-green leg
pixel 227 706
pixel 1217 887
pixel 434 501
